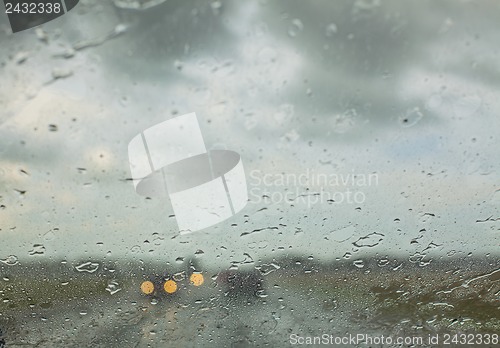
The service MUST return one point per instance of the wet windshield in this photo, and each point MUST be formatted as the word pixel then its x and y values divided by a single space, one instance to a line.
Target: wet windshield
pixel 251 173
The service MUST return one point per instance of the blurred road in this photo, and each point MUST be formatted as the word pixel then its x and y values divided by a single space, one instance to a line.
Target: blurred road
pixel 207 316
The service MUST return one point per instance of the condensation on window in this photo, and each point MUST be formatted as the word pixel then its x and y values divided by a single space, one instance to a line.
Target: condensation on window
pixel 367 133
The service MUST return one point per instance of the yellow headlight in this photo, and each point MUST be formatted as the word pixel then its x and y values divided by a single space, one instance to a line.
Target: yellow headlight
pixel 196 279
pixel 147 287
pixel 170 286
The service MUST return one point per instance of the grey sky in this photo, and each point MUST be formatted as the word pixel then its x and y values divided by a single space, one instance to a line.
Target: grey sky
pixel 409 93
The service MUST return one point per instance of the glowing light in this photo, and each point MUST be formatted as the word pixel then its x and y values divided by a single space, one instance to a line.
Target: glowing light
pixel 147 287
pixel 170 286
pixel 196 279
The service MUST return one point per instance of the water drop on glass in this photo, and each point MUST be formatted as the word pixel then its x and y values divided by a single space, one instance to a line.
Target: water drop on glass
pixel 295 27
pixel 331 29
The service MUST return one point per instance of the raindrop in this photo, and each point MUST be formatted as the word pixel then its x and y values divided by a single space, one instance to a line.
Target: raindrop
pixel 291 136
pixel 431 246
pixel 370 240
pixel 418 258
pixel 398 267
pixel 38 249
pixel 247 259
pixel 331 29
pixel 342 234
pixel 467 106
pixel 178 64
pixel 89 267
pixel 120 29
pixel 136 249
pixel 113 287
pixel 60 73
pixel 383 262
pixel 265 269
pixel 179 260
pixel 41 35
pixel 157 240
pixel 137 4
pixel 359 263
pixel 67 53
pixel 53 127
pixel 46 305
pixel 347 255
pixel 50 235
pixel 216 7
pixel 345 121
pixel 124 101
pixel 426 217
pixel 10 260
pixel 295 27
pixel 365 7
pixel 411 117
pixel 199 253
pixel 261 293
pixel 179 276
pixel 284 114
pixel 21 57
